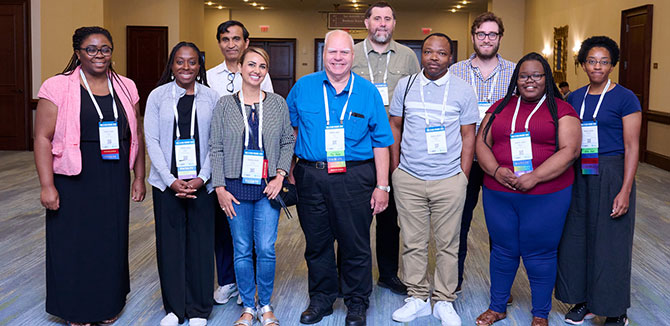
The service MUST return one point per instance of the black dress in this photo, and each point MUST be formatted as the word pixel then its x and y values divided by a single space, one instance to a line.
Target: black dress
pixel 87 274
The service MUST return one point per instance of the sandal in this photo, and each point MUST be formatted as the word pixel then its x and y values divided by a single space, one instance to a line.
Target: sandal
pixel 537 321
pixel 489 317
pixel 246 322
pixel 266 321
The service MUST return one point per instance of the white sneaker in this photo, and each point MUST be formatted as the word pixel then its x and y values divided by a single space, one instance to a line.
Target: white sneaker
pixel 197 322
pixel 445 312
pixel 413 308
pixel 239 300
pixel 224 293
pixel 170 320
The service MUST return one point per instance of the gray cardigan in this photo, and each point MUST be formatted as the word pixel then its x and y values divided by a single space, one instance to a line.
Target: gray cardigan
pixel 226 142
pixel 159 128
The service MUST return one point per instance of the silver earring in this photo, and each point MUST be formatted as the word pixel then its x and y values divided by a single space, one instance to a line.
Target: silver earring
pixel 171 76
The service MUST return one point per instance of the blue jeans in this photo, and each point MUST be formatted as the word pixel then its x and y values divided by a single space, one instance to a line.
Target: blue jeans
pixel 528 227
pixel 255 223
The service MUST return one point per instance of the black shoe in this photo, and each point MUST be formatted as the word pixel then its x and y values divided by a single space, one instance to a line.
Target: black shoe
pixel 314 314
pixel 578 313
pixel 615 321
pixel 394 284
pixel 356 315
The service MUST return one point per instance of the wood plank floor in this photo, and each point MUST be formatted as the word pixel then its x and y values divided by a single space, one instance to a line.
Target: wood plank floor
pixel 22 288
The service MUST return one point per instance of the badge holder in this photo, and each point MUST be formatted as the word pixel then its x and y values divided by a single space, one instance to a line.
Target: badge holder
pixel 185 156
pixel 335 149
pixel 522 153
pixel 590 148
pixel 109 140
pixel 436 140
pixel 254 167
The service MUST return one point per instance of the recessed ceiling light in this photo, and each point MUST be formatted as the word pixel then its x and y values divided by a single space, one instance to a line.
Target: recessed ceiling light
pixel 453 10
pixel 465 2
pixel 262 8
pixel 458 6
pixel 254 4
pixel 356 5
pixel 210 3
pixel 220 7
pixel 354 1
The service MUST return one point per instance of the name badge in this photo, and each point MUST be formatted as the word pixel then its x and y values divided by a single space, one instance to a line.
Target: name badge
pixel 590 148
pixel 483 107
pixel 253 167
pixel 185 156
pixel 335 149
pixel 383 89
pixel 436 140
pixel 109 140
pixel 522 153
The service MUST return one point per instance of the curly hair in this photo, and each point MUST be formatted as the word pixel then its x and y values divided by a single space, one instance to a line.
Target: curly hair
pixel 166 77
pixel 599 41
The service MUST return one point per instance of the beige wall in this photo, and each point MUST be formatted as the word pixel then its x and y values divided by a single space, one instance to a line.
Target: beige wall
pixel 121 13
pixel 306 26
pixel 512 13
pixel 57 26
pixel 213 17
pixel 603 17
pixel 191 21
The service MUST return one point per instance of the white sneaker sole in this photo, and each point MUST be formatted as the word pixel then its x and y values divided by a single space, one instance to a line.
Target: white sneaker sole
pixel 422 313
pixel 579 322
pixel 224 301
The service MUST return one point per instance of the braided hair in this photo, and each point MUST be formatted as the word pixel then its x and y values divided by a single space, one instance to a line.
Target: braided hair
pixel 167 76
pixel 550 90
pixel 79 36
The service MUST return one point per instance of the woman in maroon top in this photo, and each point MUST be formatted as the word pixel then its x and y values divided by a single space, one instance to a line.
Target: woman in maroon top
pixel 529 140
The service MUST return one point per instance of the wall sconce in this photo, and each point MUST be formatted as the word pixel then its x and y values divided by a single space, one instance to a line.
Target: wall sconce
pixel 546 52
pixel 575 52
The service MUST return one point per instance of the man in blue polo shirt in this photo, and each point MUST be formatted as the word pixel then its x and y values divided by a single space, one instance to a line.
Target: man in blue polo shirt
pixel 343 135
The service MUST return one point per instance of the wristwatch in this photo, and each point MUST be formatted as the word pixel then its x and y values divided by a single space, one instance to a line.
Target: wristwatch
pixel 385 188
pixel 282 173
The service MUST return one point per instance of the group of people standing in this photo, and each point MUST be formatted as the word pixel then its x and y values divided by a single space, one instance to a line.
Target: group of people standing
pixel 375 134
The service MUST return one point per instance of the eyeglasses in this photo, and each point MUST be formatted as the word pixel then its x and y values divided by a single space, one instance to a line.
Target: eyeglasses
pixel 230 87
pixel 492 36
pixel 534 77
pixel 593 62
pixel 92 50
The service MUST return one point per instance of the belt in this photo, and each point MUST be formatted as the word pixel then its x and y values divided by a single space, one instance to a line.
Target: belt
pixel 323 165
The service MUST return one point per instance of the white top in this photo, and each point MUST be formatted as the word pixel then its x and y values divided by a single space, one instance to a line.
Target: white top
pixel 217 78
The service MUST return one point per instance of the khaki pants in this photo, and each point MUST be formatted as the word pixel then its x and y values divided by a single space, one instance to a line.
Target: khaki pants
pixel 422 205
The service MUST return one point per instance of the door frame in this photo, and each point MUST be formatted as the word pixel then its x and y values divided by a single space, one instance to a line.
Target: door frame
pixel 278 39
pixel 128 50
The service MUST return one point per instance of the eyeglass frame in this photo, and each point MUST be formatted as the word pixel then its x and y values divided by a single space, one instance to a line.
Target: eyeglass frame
pixel 532 77
pixel 491 36
pixel 594 62
pixel 231 78
pixel 98 50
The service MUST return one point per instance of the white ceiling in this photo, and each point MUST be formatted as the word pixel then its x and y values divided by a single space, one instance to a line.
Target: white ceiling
pixel 348 5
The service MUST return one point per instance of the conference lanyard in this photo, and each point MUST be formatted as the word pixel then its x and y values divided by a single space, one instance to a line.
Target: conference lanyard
pixel 493 84
pixel 344 109
pixel 176 113
pixel 247 129
pixel 95 103
pixel 516 112
pixel 367 59
pixel 444 99
pixel 600 101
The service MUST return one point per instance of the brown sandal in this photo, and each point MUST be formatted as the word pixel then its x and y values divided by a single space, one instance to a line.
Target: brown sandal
pixel 537 321
pixel 489 317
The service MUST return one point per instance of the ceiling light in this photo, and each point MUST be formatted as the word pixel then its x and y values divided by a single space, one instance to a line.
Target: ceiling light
pixel 356 5
pixel 262 8
pixel 465 2
pixel 354 1
pixel 254 4
pixel 458 6
pixel 246 0
pixel 210 3
pixel 453 10
pixel 220 7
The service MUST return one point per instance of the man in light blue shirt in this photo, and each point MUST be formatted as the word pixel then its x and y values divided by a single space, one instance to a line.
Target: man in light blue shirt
pixel 341 177
pixel 433 117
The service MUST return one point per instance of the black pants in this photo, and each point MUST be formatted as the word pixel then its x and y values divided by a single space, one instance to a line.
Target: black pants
pixel 387 239
pixel 223 246
pixel 475 182
pixel 184 242
pixel 337 207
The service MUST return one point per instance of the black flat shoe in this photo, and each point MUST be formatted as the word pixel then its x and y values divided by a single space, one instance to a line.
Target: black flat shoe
pixel 394 284
pixel 313 314
pixel 356 316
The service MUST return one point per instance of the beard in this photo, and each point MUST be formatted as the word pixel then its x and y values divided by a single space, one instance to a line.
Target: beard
pixel 383 39
pixel 488 55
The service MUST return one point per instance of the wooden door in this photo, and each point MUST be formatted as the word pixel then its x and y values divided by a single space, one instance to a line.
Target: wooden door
pixel 14 75
pixel 282 62
pixel 635 61
pixel 146 57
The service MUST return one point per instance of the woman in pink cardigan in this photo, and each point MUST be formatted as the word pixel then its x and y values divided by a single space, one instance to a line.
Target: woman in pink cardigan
pixel 86 142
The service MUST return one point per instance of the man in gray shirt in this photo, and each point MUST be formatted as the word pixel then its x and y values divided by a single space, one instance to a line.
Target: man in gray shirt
pixel 433 117
pixel 383 61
